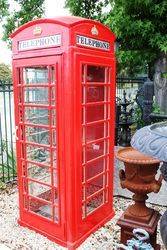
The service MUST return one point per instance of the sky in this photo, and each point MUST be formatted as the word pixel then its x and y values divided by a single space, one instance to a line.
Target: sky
pixel 52 8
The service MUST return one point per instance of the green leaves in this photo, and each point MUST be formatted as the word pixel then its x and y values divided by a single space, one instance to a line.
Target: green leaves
pixel 5 72
pixel 29 10
pixel 140 27
pixel 3 8
pixel 93 9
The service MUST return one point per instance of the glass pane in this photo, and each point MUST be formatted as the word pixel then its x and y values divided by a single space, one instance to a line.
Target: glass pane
pixel 94 150
pixel 33 75
pixel 40 116
pixel 36 115
pixel 37 135
pixel 42 174
pixel 40 207
pixel 38 154
pixel 94 113
pixel 36 95
pixel 94 132
pixel 94 186
pixel 94 168
pixel 43 209
pixel 39 190
pixel 40 135
pixel 39 95
pixel 95 74
pixel 41 155
pixel 94 203
pixel 95 94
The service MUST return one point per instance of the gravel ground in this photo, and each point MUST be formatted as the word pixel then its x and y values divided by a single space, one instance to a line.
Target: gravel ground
pixel 15 237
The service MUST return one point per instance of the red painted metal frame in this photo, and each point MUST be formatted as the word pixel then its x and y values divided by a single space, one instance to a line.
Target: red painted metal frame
pixel 55 230
pixel 105 212
pixel 72 228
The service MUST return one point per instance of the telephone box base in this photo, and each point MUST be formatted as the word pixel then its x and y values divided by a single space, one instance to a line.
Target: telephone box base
pixel 68 245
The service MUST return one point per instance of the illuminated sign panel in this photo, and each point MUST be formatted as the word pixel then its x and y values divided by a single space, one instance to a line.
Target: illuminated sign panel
pixel 42 42
pixel 92 43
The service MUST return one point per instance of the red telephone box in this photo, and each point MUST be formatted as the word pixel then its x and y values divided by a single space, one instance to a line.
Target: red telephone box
pixel 64 89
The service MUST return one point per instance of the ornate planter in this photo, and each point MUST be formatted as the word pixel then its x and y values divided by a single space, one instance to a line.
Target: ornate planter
pixel 152 140
pixel 139 178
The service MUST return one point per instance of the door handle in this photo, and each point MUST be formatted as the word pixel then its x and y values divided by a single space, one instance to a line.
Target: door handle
pixel 16 133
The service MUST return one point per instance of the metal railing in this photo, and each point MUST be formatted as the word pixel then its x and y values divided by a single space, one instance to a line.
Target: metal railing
pixel 130 86
pixel 7 127
pixel 7 136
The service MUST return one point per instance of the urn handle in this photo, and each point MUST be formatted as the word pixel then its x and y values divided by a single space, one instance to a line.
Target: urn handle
pixel 122 177
pixel 157 185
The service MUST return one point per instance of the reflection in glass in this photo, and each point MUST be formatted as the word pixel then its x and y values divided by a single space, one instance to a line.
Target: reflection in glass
pixel 94 203
pixel 94 150
pixel 36 95
pixel 42 173
pixel 37 135
pixel 94 186
pixel 95 131
pixel 43 209
pixel 39 173
pixel 94 168
pixel 38 154
pixel 95 73
pixel 95 94
pixel 41 155
pixel 35 75
pixel 40 116
pixel 39 190
pixel 94 113
pixel 36 115
pixel 39 95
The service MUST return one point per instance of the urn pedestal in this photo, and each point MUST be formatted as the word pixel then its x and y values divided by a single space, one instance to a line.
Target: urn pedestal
pixel 139 178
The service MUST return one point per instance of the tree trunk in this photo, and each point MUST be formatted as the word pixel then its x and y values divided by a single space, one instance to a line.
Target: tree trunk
pixel 160 83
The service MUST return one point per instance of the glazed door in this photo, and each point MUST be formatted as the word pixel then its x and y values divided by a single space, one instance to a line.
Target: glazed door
pixel 37 98
pixel 96 85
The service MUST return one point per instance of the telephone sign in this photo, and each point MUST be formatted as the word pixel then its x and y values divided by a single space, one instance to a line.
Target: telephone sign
pixel 42 42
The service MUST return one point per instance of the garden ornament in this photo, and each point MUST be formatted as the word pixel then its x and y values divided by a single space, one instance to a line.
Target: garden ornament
pixel 139 176
pixel 152 140
pixel 139 242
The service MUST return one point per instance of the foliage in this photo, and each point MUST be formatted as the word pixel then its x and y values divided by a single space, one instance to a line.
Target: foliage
pixel 88 8
pixel 139 26
pixel 5 72
pixel 4 8
pixel 141 31
pixel 27 10
pixel 138 117
pixel 156 108
pixel 8 166
pixel 2 185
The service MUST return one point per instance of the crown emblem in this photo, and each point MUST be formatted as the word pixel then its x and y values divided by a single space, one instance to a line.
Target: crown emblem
pixel 37 31
pixel 94 30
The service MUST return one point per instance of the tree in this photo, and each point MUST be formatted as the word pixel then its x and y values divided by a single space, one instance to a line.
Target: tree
pixel 87 8
pixel 141 30
pixel 5 72
pixel 3 8
pixel 27 10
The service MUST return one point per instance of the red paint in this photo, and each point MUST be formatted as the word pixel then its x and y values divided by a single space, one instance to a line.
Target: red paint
pixel 65 114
